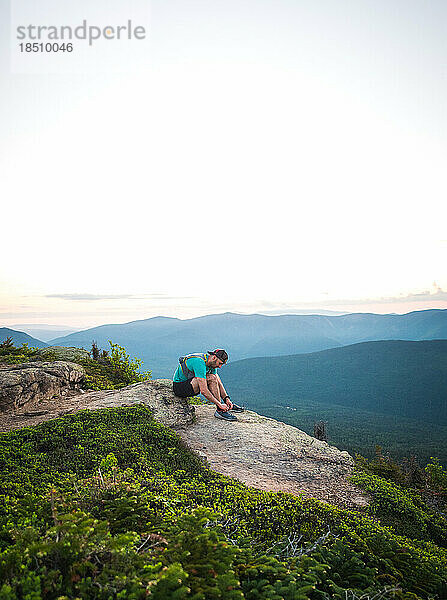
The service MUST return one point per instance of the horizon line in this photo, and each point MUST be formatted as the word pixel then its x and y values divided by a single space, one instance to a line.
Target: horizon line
pixel 298 313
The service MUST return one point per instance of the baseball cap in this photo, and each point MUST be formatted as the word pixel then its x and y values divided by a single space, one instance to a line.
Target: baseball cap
pixel 221 354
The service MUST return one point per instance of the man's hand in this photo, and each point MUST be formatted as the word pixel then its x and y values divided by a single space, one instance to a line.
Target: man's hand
pixel 221 406
pixel 229 403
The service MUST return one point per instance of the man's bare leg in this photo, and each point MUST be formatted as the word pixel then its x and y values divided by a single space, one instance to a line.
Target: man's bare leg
pixel 222 390
pixel 223 394
pixel 216 389
pixel 213 386
pixel 195 385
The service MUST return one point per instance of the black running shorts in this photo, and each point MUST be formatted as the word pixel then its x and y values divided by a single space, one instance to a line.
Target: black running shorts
pixel 183 389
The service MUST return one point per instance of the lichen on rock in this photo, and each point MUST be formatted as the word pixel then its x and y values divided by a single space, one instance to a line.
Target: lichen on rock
pixel 63 353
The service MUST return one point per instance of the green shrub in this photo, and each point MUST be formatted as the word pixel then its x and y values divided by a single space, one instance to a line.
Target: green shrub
pixel 112 504
pixel 77 558
pixel 437 477
pixel 11 354
pixel 403 509
pixel 113 371
pixel 196 400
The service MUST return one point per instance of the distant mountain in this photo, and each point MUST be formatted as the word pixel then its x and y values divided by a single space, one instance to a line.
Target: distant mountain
pixel 19 338
pixel 43 331
pixel 159 341
pixel 304 311
pixel 401 378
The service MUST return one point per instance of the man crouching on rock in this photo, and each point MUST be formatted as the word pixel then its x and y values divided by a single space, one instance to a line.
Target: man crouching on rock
pixel 196 374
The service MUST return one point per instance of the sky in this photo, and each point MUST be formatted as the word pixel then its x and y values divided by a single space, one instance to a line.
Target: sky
pixel 258 156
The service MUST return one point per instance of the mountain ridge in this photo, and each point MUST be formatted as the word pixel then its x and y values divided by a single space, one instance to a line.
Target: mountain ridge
pixel 20 337
pixel 159 341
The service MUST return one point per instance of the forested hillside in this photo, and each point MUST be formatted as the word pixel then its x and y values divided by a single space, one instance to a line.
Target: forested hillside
pixel 391 393
pixel 388 377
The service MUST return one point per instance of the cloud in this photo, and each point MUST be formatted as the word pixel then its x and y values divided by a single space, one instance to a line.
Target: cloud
pixel 439 295
pixel 89 296
pixel 34 314
pixel 94 297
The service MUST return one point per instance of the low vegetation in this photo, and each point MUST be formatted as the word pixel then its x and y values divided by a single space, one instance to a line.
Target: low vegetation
pixel 10 354
pixel 111 504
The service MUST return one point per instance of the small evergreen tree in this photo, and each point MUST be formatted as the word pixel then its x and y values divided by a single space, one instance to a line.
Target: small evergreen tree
pixel 7 343
pixel 320 431
pixel 95 351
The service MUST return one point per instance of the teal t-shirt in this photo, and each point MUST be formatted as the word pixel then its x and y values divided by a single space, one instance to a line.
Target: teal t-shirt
pixel 196 364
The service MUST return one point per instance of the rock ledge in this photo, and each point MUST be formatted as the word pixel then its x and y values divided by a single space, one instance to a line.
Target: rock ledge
pixel 33 382
pixel 271 455
pixel 260 452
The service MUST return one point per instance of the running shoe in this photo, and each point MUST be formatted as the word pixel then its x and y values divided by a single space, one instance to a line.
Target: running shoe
pixel 225 415
pixel 237 408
